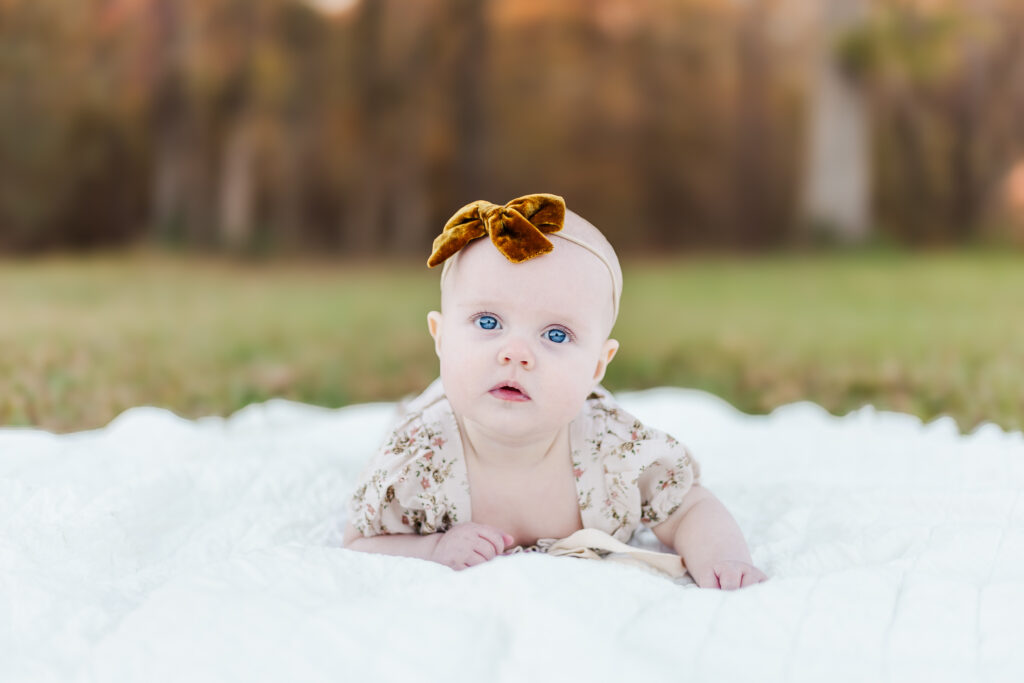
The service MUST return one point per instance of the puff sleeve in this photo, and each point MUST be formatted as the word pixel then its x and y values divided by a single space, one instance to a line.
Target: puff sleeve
pixel 416 482
pixel 667 474
pixel 639 474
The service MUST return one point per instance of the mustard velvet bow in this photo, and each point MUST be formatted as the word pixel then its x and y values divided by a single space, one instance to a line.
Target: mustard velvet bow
pixel 516 228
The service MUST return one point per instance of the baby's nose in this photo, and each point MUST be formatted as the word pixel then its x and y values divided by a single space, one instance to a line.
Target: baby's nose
pixel 516 352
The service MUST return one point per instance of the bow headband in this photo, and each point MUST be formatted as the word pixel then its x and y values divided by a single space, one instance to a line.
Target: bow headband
pixel 516 229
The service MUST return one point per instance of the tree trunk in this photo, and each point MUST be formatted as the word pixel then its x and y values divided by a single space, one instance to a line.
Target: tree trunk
pixel 756 221
pixel 409 209
pixel 964 203
pixel 289 218
pixel 967 99
pixel 237 188
pixel 170 111
pixel 836 193
pixel 469 19
pixel 362 218
pixel 917 201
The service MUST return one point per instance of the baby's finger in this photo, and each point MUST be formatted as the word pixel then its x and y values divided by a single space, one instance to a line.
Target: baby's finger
pixel 753 576
pixel 729 578
pixel 494 537
pixel 471 560
pixel 706 579
pixel 484 550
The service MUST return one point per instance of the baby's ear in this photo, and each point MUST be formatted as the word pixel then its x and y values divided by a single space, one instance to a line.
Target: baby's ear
pixel 608 352
pixel 434 325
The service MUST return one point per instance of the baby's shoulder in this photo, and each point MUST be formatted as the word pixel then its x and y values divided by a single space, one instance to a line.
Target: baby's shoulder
pixel 604 416
pixel 425 426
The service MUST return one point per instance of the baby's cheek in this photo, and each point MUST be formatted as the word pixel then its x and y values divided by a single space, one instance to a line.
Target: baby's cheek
pixel 573 391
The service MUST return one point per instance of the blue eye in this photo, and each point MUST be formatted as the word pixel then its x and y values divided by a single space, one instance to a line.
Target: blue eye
pixel 487 322
pixel 556 335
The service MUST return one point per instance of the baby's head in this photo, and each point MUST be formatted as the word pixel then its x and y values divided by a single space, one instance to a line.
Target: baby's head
pixel 522 344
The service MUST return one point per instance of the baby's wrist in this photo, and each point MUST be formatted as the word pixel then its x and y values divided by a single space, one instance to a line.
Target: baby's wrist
pixel 430 543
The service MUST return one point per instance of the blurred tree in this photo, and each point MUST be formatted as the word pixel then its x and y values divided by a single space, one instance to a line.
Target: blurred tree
pixel 967 96
pixel 986 112
pixel 303 100
pixel 243 124
pixel 241 47
pixel 906 56
pixel 940 73
pixel 169 121
pixel 232 111
pixel 837 176
pixel 680 67
pixel 67 130
pixel 364 214
pixel 758 220
pixel 470 41
pixel 391 68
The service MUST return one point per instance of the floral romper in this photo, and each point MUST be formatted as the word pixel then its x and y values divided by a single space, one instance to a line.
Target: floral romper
pixel 626 473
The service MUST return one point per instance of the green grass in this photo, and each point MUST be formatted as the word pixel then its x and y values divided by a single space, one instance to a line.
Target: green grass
pixel 83 339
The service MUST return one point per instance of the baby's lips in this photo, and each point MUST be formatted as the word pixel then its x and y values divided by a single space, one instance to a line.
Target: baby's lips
pixel 510 385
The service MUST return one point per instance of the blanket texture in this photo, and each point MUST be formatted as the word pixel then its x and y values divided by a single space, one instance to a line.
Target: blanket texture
pixel 162 549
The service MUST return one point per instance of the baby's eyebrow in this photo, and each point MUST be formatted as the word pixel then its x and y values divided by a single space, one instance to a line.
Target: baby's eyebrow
pixel 565 320
pixel 479 304
pixel 475 307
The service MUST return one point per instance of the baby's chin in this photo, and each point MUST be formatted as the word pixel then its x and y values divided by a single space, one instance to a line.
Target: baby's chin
pixel 514 420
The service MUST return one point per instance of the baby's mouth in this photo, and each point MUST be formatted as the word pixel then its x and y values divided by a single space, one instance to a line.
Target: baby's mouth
pixel 509 391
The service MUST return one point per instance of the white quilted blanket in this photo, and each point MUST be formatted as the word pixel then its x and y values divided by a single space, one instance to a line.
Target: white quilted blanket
pixel 161 549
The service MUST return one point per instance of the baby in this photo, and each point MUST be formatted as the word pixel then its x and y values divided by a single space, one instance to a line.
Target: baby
pixel 517 442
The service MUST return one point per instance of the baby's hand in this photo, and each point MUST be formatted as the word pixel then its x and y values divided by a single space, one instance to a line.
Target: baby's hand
pixel 727 575
pixel 468 544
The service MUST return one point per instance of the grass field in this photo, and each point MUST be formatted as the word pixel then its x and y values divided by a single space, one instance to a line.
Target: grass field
pixel 83 339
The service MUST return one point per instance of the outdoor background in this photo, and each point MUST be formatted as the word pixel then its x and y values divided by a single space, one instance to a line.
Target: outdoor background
pixel 207 203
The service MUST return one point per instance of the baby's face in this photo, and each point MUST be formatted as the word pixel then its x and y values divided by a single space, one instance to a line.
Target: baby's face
pixel 522 345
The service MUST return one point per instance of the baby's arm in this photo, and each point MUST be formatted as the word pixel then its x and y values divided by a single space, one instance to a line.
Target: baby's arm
pixel 464 545
pixel 710 542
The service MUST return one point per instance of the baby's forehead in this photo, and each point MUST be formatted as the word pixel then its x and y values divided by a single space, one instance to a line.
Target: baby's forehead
pixel 577 228
pixel 581 264
pixel 565 286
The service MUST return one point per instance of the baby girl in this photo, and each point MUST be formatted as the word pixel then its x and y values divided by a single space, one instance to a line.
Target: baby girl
pixel 517 443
